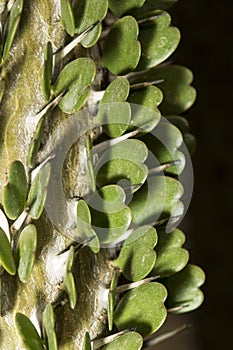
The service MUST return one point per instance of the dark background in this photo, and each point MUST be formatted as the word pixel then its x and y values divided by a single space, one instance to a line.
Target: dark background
pixel 207 49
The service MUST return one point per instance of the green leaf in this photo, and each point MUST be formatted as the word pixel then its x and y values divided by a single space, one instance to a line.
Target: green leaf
pixel 123 161
pixel 14 195
pixel 28 333
pixel 69 283
pixel 124 55
pixel 77 77
pixel 2 89
pixel 27 245
pixel 120 7
pixel 111 298
pixel 157 199
pixel 38 192
pixel 67 17
pixel 164 143
pixel 110 216
pixel 128 341
pixel 14 19
pixel 6 257
pixel 142 308
pixel 90 163
pixel 137 256
pixel 171 257
pixel 87 342
pixel 183 289
pixel 87 13
pixel 35 144
pixel 113 116
pixel 49 327
pixel 152 5
pixel 190 142
pixel 158 41
pixel 84 225
pixel 144 111
pixel 47 71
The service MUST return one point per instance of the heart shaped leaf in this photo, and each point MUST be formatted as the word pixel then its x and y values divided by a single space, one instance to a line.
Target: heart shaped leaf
pixel 110 216
pixel 84 225
pixel 13 22
pixel 157 199
pixel 28 333
pixel 49 326
pixel 158 41
pixel 123 161
pixel 27 245
pixel 14 195
pixel 171 257
pixel 164 143
pixel 120 7
pixel 6 257
pixel 114 117
pixel 77 77
pixel 137 256
pixel 184 293
pixel 128 341
pixel 124 55
pixel 150 6
pixel 142 308
pixel 87 13
pixel 47 71
pixel 144 112
pixel 67 17
pixel 38 192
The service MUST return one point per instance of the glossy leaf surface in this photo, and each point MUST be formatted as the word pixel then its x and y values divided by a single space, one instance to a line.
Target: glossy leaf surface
pixel 128 341
pixel 49 327
pixel 137 256
pixel 67 17
pixel 28 333
pixel 14 195
pixel 124 55
pixel 142 309
pixel 6 257
pixel 47 71
pixel 69 283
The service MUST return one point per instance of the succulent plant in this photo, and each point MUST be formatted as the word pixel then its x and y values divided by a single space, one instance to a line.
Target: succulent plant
pixel 94 154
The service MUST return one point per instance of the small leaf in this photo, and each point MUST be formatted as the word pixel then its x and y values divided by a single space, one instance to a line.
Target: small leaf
pixel 67 17
pixel 90 163
pixel 128 341
pixel 27 245
pixel 171 257
pixel 124 55
pixel 164 143
pixel 183 289
pixel 123 161
pixel 137 256
pixel 156 199
pixel 49 327
pixel 35 144
pixel 77 77
pixel 142 309
pixel 87 342
pixel 6 257
pixel 2 89
pixel 114 117
pixel 38 192
pixel 144 112
pixel 47 71
pixel 152 5
pixel 14 195
pixel 120 7
pixel 180 122
pixel 69 283
pixel 14 19
pixel 87 13
pixel 110 216
pixel 158 41
pixel 28 333
pixel 111 298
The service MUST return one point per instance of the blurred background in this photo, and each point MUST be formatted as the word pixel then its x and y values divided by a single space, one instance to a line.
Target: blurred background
pixel 207 49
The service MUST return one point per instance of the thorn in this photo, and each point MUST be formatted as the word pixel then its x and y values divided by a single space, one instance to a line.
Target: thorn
pixel 60 54
pixel 177 308
pixel 137 86
pixel 108 143
pixel 161 168
pixel 128 286
pixel 16 226
pixel 151 342
pixel 36 171
pixel 50 106
pixel 151 18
